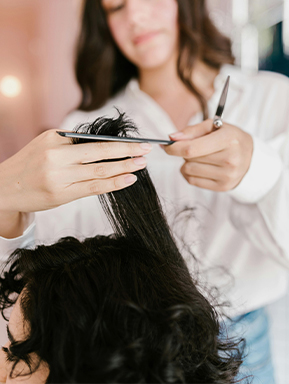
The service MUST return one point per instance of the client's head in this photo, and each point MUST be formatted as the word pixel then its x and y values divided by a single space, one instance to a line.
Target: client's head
pixel 114 309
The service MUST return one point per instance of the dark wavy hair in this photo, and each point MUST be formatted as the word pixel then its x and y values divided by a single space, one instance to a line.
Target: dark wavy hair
pixel 121 308
pixel 102 70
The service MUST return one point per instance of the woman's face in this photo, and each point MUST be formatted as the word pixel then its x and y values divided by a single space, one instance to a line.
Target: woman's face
pixel 146 31
pixel 17 331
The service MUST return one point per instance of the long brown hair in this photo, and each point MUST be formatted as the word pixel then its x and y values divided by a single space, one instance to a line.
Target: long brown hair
pixel 102 70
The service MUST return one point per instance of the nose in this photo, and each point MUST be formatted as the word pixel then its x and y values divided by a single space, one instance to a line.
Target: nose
pixel 136 12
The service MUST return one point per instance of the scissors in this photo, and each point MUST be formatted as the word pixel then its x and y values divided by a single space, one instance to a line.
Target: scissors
pixel 218 122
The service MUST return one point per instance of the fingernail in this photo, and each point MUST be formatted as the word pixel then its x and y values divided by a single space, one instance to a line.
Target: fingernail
pixel 130 179
pixel 140 160
pixel 145 146
pixel 177 135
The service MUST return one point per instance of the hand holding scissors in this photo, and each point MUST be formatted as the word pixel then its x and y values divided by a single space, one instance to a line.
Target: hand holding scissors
pixel 215 159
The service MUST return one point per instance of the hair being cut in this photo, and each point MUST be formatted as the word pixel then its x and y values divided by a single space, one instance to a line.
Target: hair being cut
pixel 102 70
pixel 121 308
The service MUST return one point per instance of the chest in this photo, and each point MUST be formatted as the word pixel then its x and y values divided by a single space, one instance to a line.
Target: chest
pixel 180 108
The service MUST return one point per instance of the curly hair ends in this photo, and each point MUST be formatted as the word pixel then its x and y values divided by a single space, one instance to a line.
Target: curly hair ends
pixel 121 308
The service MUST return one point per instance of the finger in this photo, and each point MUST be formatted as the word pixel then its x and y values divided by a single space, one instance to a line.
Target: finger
pixel 202 146
pixel 90 152
pixel 202 183
pixel 217 159
pixel 99 186
pixel 104 170
pixel 201 170
pixel 193 131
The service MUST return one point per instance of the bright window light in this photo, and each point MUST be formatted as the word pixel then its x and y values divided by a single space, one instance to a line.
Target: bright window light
pixel 249 48
pixel 240 12
pixel 10 86
pixel 286 27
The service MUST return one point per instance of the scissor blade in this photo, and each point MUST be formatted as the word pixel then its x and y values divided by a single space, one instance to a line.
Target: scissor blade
pixel 223 98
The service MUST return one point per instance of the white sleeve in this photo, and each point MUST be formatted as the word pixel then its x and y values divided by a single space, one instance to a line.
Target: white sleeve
pixel 260 203
pixel 7 246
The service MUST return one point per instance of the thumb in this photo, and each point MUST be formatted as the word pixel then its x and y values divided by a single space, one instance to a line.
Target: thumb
pixel 193 131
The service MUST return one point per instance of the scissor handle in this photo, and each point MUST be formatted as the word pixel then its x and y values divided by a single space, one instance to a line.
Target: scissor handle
pixel 217 123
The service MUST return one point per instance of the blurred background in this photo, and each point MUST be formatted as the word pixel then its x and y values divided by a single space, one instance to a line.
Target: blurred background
pixel 37 85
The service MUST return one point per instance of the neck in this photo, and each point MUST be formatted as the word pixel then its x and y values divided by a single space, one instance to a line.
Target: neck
pixel 154 81
pixel 167 89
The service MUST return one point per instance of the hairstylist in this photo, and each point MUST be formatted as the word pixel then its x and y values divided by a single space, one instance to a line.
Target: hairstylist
pixel 164 63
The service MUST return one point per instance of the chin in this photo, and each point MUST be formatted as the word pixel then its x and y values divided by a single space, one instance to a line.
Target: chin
pixel 154 59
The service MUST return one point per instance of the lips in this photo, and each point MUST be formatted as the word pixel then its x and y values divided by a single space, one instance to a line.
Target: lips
pixel 144 37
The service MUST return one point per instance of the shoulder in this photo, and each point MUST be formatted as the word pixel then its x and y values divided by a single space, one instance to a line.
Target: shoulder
pixel 73 119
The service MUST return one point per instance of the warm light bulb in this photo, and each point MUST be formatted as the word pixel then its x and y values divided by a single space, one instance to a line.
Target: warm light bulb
pixel 10 86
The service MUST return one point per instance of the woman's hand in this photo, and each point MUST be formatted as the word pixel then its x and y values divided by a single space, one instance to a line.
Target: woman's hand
pixel 49 172
pixel 216 160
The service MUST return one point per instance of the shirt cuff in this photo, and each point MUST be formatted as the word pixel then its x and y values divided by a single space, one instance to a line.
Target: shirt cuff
pixel 7 246
pixel 265 169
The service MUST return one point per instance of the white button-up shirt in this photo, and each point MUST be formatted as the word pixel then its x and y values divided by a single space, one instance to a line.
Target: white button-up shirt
pixel 240 237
